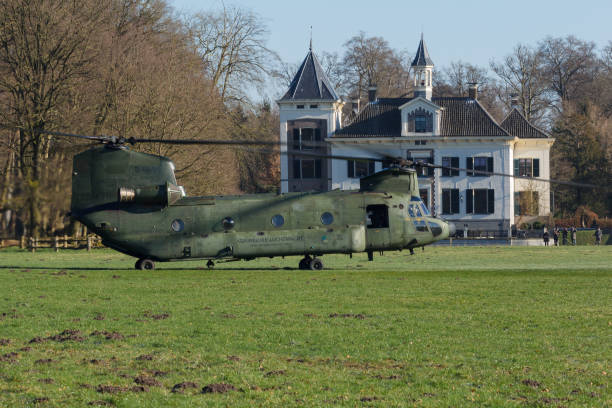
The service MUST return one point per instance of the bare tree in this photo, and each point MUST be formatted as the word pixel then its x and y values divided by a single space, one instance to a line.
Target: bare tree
pixel 569 65
pixel 522 73
pixel 232 45
pixel 45 47
pixel 370 61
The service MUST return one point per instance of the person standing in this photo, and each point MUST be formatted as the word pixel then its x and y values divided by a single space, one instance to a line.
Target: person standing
pixel 574 236
pixel 564 235
pixel 598 236
pixel 546 236
pixel 556 236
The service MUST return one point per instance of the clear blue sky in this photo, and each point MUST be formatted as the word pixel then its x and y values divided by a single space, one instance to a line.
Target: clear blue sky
pixel 473 31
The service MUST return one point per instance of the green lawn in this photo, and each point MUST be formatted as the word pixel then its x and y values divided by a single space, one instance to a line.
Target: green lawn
pixel 482 326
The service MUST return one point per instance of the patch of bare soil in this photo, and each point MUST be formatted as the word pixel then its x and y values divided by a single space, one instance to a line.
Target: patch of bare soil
pixel 11 314
pixel 25 349
pixel 149 381
pixel 228 316
pixel 115 389
pixel 99 316
pixel 44 361
pixel 145 357
pixel 37 340
pixel 156 316
pixel 390 377
pixel 116 276
pixel 181 387
pixel 220 388
pixel 274 373
pixel 46 380
pixel 67 335
pixel 5 342
pixel 233 358
pixel 9 357
pixel 107 335
pixel 531 383
pixel 59 273
pixel 101 403
pixel 41 400
pixel 348 316
pixel 368 399
pixel 311 315
pixel 157 373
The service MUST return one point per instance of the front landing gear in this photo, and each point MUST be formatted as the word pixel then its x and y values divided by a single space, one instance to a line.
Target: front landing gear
pixel 210 264
pixel 314 264
pixel 145 264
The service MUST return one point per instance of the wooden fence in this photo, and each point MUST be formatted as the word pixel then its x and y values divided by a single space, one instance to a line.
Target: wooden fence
pixel 57 243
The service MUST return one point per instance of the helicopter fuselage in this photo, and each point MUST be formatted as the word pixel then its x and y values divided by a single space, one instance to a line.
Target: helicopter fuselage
pixel 130 199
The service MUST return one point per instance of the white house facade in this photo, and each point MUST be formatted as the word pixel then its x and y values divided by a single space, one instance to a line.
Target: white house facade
pixel 455 132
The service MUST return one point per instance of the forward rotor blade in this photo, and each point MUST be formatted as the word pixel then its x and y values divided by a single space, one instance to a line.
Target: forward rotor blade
pixel 494 173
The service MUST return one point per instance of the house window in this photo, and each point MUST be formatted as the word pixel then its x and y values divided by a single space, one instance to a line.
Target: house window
pixel 450 201
pixel 481 164
pixel 306 138
pixel 479 201
pixel 420 142
pixel 300 106
pixel 420 124
pixel 314 106
pixel 450 162
pixel 306 168
pixel 526 203
pixel 360 168
pixel 527 167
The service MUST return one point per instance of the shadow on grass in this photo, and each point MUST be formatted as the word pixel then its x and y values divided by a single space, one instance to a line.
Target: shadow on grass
pixel 197 268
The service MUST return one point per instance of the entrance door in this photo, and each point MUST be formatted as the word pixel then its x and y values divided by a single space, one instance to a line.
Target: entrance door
pixel 377 226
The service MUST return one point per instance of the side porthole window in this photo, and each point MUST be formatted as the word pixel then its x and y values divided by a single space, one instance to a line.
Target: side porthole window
pixel 228 223
pixel 327 218
pixel 177 225
pixel 278 220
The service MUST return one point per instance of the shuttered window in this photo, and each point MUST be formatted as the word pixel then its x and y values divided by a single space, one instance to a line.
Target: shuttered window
pixel 450 162
pixel 482 164
pixel 480 201
pixel 450 201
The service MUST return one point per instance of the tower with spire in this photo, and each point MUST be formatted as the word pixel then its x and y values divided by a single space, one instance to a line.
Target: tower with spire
pixel 422 66
pixel 310 112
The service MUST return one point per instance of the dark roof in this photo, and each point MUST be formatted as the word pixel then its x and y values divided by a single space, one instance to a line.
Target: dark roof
pixel 422 56
pixel 517 125
pixel 310 82
pixel 461 116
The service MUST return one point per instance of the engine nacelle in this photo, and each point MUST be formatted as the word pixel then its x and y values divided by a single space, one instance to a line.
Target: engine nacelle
pixel 164 195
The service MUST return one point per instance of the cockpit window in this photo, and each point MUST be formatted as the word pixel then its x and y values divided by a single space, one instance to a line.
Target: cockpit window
pixel 411 211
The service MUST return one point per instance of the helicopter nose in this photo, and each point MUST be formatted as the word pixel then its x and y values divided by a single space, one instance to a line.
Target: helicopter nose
pixel 452 229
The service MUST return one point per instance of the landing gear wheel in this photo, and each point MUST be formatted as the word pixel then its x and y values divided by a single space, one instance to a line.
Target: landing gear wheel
pixel 316 264
pixel 145 264
pixel 210 264
pixel 305 262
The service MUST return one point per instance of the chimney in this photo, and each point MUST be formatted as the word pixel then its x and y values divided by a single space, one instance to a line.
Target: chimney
pixel 372 93
pixel 514 101
pixel 473 90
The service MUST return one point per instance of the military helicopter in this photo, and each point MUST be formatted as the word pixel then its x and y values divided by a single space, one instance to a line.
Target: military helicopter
pixel 132 201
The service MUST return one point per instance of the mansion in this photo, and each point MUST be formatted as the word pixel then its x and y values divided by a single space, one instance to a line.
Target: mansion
pixel 450 131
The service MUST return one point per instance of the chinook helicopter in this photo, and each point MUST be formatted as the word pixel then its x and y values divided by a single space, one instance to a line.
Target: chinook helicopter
pixel 132 201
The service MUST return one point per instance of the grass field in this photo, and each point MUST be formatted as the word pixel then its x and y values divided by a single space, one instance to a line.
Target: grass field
pixel 483 326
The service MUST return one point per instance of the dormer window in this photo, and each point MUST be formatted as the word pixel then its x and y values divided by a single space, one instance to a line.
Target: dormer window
pixel 420 124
